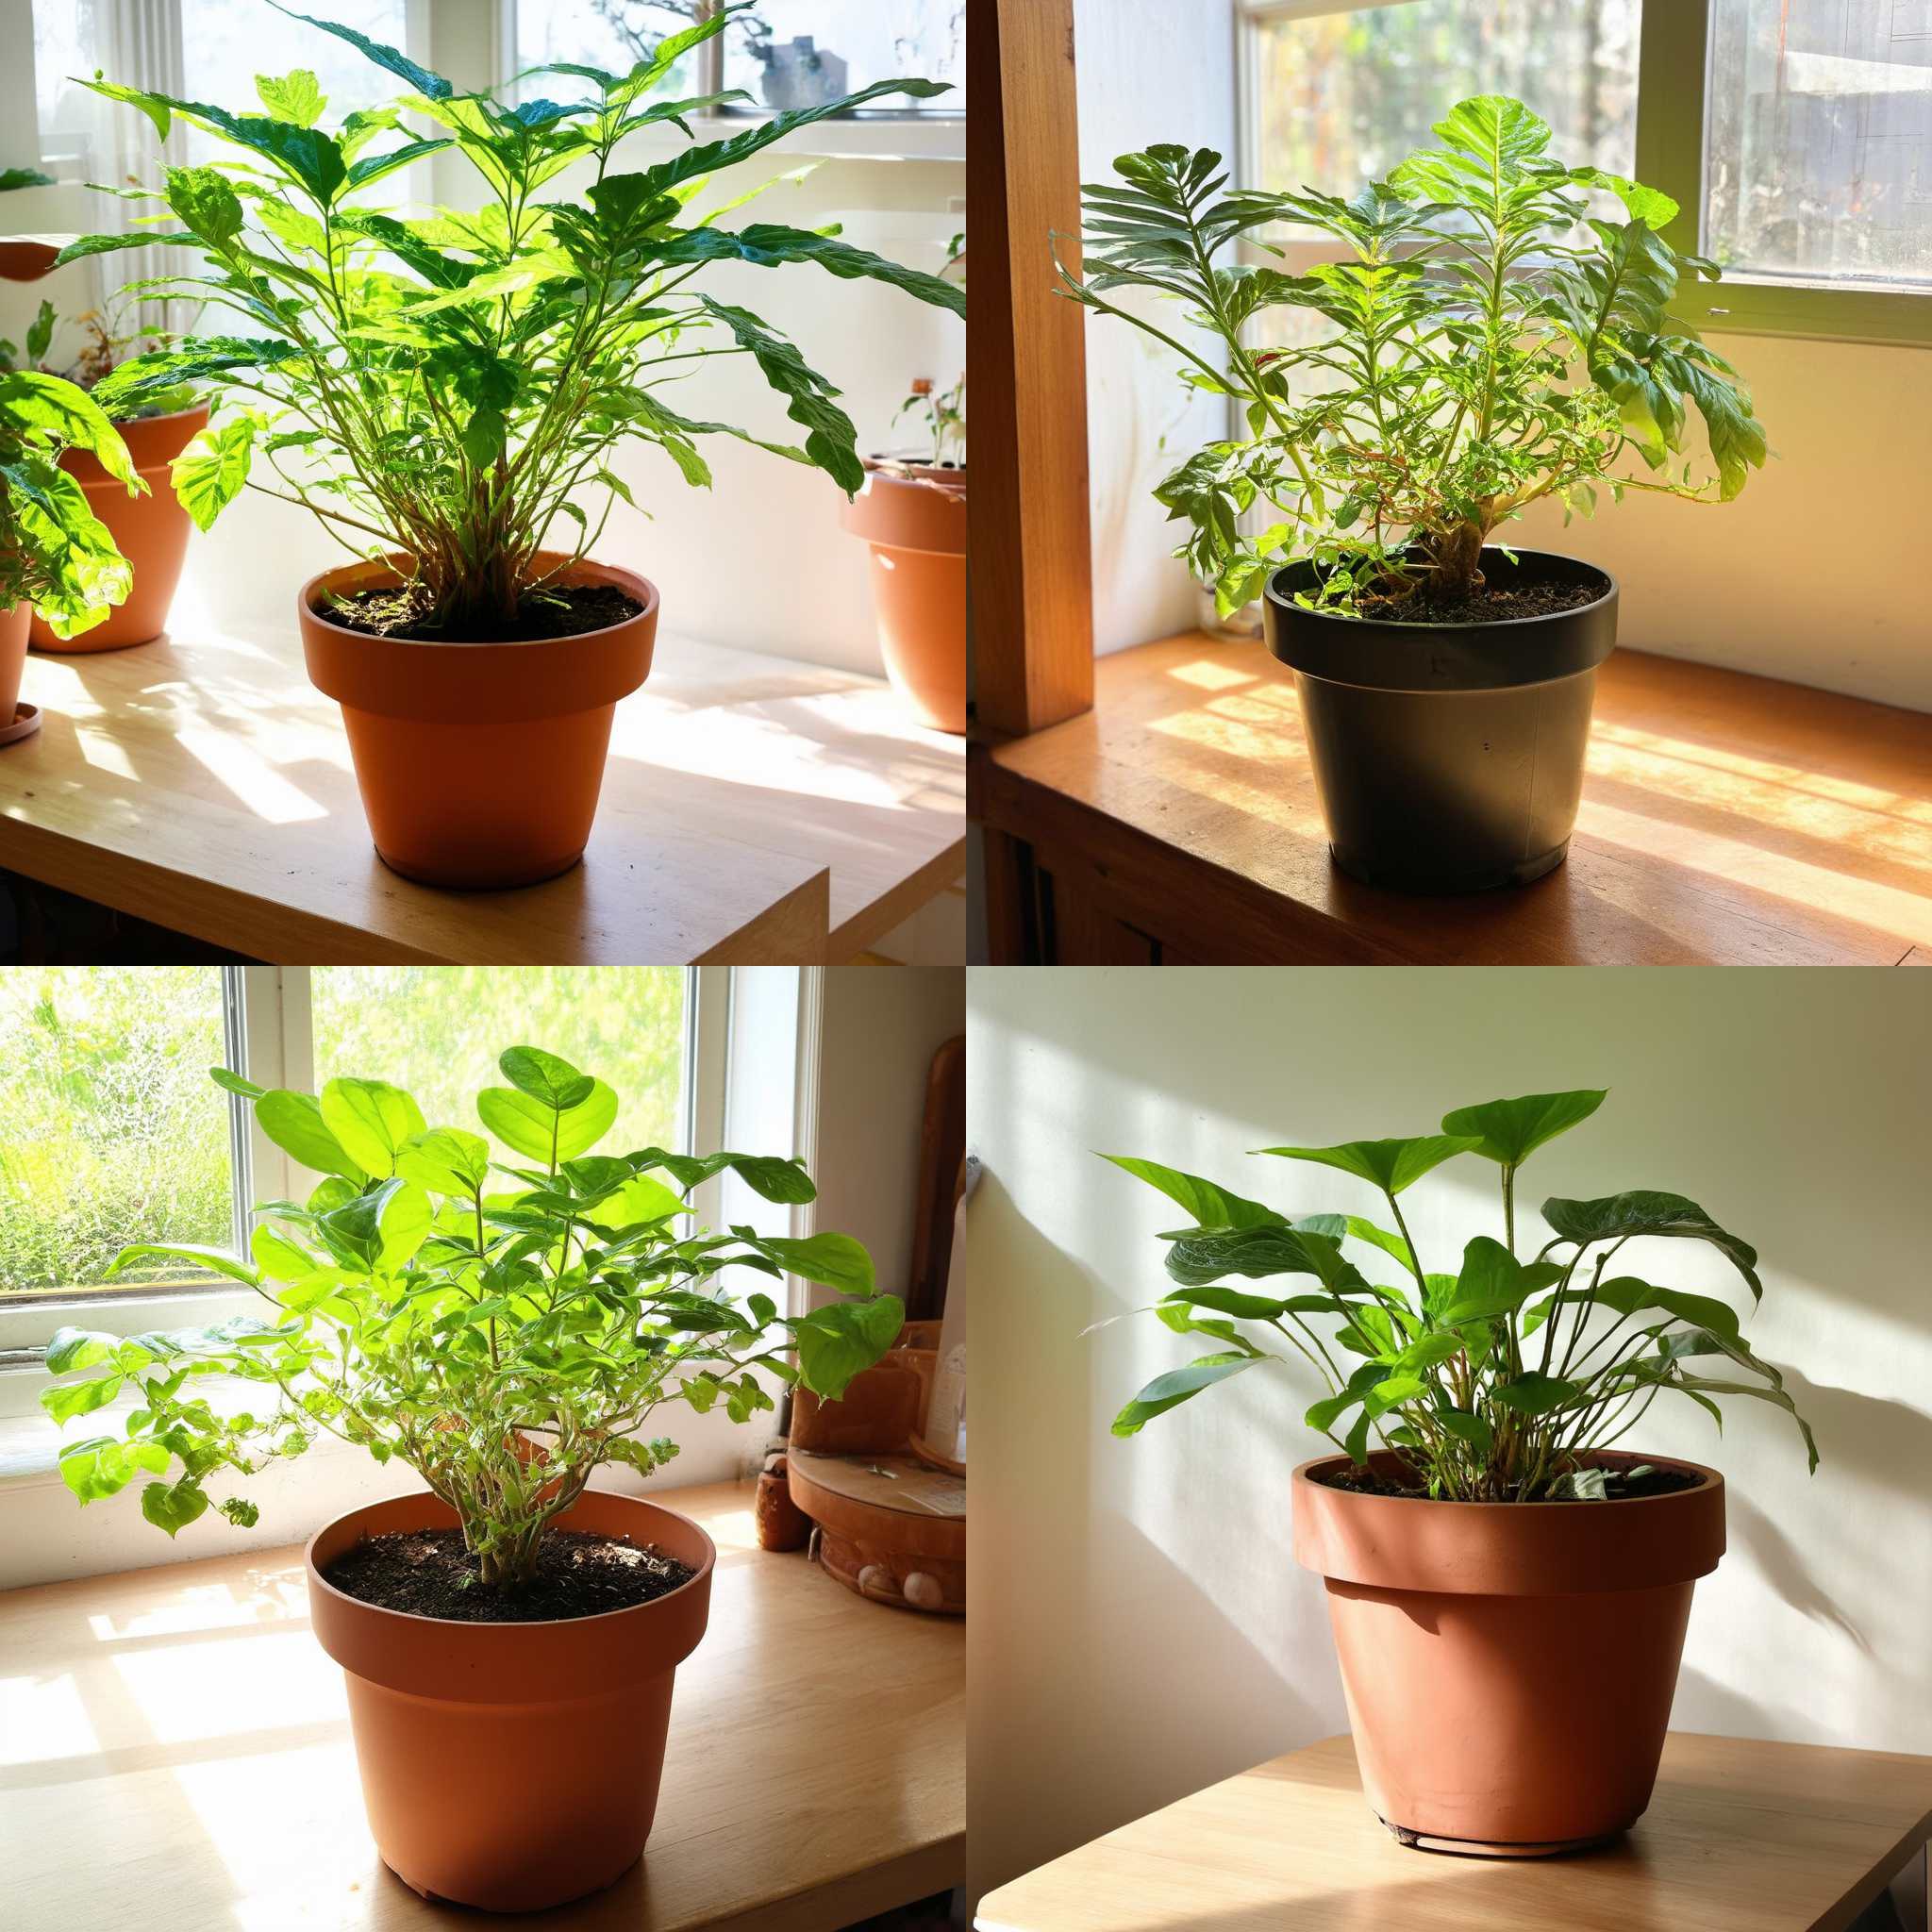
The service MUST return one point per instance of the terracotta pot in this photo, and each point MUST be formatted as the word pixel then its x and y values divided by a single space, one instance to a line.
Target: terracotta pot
pixel 13 630
pixel 27 257
pixel 915 520
pixel 150 531
pixel 479 764
pixel 511 1766
pixel 1509 1666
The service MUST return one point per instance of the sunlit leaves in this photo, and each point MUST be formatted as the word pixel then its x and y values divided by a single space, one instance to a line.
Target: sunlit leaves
pixel 1643 1212
pixel 843 1339
pixel 1177 1386
pixel 1390 1165
pixel 1211 1206
pixel 535 1129
pixel 212 471
pixel 1510 1131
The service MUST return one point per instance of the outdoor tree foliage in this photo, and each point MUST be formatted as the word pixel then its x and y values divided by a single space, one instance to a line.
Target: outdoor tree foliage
pixel 505 1330
pixel 450 388
pixel 1490 344
pixel 1497 1383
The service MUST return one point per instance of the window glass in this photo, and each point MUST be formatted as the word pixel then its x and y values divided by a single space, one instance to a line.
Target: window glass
pixel 801 52
pixel 437 1031
pixel 111 1129
pixel 1818 156
pixel 613 34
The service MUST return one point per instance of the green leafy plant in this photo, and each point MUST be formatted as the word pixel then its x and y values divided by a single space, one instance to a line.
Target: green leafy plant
pixel 445 388
pixel 54 553
pixel 941 413
pixel 506 1330
pixel 1500 1382
pixel 106 336
pixel 1487 344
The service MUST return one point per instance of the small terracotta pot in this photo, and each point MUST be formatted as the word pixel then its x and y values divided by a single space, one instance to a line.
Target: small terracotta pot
pixel 1509 1666
pixel 479 765
pixel 511 1766
pixel 914 517
pixel 13 630
pixel 150 530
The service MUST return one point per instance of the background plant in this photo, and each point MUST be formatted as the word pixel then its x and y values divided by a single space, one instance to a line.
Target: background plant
pixel 1497 1383
pixel 941 413
pixel 106 336
pixel 1490 344
pixel 447 388
pixel 426 1311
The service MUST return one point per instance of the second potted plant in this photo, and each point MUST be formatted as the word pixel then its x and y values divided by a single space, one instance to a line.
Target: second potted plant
pixel 1509 1589
pixel 510 1635
pixel 1485 345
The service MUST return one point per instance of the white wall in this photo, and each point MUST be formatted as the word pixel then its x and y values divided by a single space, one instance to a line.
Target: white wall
pixel 1148 72
pixel 1137 1626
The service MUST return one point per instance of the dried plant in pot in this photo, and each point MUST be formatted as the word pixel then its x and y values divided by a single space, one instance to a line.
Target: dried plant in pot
pixel 510 1634
pixel 1507 1589
pixel 1484 343
pixel 446 394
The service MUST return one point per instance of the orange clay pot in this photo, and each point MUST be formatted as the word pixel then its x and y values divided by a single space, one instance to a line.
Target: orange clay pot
pixel 511 1766
pixel 914 517
pixel 13 626
pixel 1509 1666
pixel 479 764
pixel 150 531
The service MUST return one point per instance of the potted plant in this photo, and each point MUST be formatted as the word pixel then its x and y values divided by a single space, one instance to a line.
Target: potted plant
pixel 149 528
pixel 58 560
pixel 445 393
pixel 1509 1590
pixel 510 1634
pixel 912 513
pixel 1487 345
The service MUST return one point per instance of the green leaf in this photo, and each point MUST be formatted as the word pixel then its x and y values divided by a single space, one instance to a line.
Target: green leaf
pixel 1536 1394
pixel 296 97
pixel 1390 1165
pixel 205 204
pixel 1626 1295
pixel 1701 1386
pixel 844 1339
pixel 1211 1206
pixel 96 1468
pixel 232 1082
pixel 831 441
pixel 420 78
pixel 768 246
pixel 536 1131
pixel 1472 1429
pixel 66 1400
pixel 1618 1217
pixel 213 470
pixel 1177 1386
pixel 544 1077
pixel 212 1259
pixel 294 1121
pixel 173 1506
pixel 1510 1131
pixel 835 1260
pixel 1493 1283
pixel 371 1122
pixel 447 1161
pixel 78 1348
pixel 278 1258
pixel 1324 1415
pixel 1200 1256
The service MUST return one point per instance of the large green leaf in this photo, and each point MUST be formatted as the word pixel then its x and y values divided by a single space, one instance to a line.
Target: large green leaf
pixel 834 1261
pixel 372 1121
pixel 1180 1385
pixel 1199 1257
pixel 294 1121
pixel 1390 1165
pixel 1510 1131
pixel 446 1161
pixel 420 78
pixel 1627 1295
pixel 1643 1212
pixel 545 1078
pixel 538 1131
pixel 844 1339
pixel 831 441
pixel 213 470
pixel 1493 1283
pixel 64 417
pixel 766 245
pixel 1212 1204
pixel 216 1259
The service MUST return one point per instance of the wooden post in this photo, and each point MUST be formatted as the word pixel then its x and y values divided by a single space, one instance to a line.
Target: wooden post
pixel 1030 563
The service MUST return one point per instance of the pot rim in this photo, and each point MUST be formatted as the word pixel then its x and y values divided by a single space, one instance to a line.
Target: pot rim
pixel 641 588
pixel 1304 1473
pixel 701 1576
pixel 1288 607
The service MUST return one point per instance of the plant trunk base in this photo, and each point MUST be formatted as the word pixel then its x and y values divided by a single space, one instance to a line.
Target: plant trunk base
pixel 1479 1848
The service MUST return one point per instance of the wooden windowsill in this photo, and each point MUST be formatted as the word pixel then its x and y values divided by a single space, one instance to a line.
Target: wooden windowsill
pixel 1740 1837
pixel 1726 820
pixel 176 1753
pixel 754 809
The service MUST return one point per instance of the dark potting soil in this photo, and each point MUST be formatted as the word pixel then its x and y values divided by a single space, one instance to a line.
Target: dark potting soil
pixel 1484 605
pixel 557 611
pixel 429 1572
pixel 1655 1482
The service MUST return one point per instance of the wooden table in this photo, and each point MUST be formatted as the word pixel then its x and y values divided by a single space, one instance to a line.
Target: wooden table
pixel 1726 820
pixel 754 809
pixel 175 1754
pixel 1740 1837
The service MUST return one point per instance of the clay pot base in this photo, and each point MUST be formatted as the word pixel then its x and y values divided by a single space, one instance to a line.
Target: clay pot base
pixel 1523 873
pixel 436 1898
pixel 498 882
pixel 1477 1848
pixel 26 721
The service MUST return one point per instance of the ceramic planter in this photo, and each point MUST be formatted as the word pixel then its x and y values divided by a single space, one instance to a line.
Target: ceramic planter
pixel 511 1766
pixel 914 518
pixel 479 764
pixel 150 530
pixel 1448 758
pixel 1508 1667
pixel 13 628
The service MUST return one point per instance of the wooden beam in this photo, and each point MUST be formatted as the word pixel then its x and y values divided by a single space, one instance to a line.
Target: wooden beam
pixel 1030 565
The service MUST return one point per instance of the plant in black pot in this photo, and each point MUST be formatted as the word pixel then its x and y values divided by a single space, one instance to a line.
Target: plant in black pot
pixel 1485 343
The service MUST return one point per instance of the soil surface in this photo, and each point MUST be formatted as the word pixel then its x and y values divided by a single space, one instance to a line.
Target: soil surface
pixel 429 1572
pixel 1485 605
pixel 555 611
pixel 1654 1482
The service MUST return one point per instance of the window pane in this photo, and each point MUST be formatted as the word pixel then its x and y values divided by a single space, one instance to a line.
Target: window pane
pixel 437 1031
pixel 1342 97
pixel 613 34
pixel 225 44
pixel 1818 158
pixel 111 1129
pixel 816 50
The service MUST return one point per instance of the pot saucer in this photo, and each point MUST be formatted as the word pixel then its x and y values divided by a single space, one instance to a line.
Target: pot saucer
pixel 26 721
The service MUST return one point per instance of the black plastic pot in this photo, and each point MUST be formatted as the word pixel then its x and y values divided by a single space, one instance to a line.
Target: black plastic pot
pixel 1448 757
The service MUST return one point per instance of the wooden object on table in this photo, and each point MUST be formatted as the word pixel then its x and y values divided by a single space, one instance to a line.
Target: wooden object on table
pixel 941 1148
pixel 782 1524
pixel 1726 820
pixel 753 810
pixel 1740 1837
pixel 1029 566
pixel 176 1734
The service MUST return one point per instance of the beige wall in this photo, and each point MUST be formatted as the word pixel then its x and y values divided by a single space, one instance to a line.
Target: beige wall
pixel 1138 1627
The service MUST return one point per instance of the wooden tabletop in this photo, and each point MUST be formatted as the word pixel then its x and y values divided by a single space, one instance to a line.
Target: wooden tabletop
pixel 754 809
pixel 1740 1837
pixel 175 1753
pixel 1726 820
